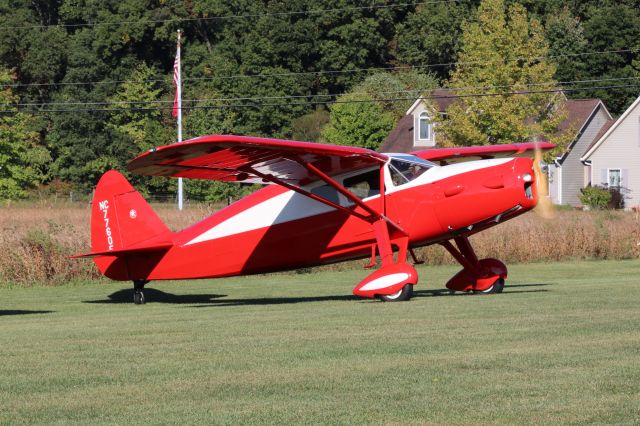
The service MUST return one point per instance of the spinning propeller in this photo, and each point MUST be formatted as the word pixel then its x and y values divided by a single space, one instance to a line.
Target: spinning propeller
pixel 544 208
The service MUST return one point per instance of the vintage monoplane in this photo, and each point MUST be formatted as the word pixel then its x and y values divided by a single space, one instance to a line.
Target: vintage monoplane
pixel 326 204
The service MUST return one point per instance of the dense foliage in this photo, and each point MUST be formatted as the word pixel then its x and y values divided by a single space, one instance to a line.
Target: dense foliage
pixel 87 84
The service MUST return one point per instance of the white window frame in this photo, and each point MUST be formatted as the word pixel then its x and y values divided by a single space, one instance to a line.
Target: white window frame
pixel 422 119
pixel 619 170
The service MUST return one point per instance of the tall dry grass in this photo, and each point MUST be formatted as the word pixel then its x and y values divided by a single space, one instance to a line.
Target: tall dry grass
pixel 37 239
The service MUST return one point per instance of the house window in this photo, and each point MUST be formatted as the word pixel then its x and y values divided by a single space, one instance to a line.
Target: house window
pixel 615 178
pixel 424 126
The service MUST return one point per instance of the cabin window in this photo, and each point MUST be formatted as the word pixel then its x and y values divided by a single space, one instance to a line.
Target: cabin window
pixel 615 178
pixel 364 185
pixel 424 127
pixel 327 192
pixel 405 171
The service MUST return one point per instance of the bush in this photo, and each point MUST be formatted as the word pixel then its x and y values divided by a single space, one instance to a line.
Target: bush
pixel 596 197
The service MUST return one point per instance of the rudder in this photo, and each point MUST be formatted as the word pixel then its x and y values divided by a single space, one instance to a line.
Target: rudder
pixel 122 221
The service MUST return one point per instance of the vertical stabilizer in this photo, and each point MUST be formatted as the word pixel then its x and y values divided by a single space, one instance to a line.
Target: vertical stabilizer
pixel 120 218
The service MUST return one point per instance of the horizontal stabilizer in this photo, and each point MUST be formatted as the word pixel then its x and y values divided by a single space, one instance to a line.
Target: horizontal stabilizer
pixel 160 246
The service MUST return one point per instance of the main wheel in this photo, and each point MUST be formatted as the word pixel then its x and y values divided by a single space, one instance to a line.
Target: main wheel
pixel 400 296
pixel 496 287
pixel 138 297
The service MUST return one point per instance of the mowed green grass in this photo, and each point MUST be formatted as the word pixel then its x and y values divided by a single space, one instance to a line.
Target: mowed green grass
pixel 560 345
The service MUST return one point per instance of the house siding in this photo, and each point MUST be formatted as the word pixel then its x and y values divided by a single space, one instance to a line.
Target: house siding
pixel 572 168
pixel 621 150
pixel 554 182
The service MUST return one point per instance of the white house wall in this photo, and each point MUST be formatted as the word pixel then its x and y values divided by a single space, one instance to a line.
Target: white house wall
pixel 621 150
pixel 554 183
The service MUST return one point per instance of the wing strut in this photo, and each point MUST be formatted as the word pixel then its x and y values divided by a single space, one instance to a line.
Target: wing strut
pixel 386 232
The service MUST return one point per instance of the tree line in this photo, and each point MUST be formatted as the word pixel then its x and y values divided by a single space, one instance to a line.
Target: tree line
pixel 85 85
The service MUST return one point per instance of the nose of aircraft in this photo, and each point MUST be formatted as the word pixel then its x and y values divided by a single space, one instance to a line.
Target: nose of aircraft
pixel 526 178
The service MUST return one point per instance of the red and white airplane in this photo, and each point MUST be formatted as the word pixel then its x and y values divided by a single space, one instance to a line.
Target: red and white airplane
pixel 326 204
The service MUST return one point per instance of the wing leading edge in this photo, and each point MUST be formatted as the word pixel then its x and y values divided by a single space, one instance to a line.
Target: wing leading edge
pixel 483 152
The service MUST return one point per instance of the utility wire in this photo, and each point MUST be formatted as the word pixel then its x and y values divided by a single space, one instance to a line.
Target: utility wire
pixel 315 102
pixel 311 73
pixel 228 17
pixel 451 90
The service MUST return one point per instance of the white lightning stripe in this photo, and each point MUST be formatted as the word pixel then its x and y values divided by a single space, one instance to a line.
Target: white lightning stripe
pixel 291 205
pixel 385 281
pixel 282 208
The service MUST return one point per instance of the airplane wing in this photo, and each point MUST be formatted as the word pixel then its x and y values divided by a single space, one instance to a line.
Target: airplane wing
pixel 291 164
pixel 469 153
pixel 253 160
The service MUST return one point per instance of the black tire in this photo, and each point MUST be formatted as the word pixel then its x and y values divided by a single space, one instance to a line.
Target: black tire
pixel 400 296
pixel 138 297
pixel 496 287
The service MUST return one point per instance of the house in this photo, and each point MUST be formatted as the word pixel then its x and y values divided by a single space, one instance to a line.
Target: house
pixel 613 159
pixel 567 175
pixel 587 117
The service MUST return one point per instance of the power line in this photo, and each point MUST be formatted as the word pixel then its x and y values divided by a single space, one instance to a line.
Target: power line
pixel 312 102
pixel 228 17
pixel 330 72
pixel 334 95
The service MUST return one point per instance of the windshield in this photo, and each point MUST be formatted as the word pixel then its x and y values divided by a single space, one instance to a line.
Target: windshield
pixel 403 171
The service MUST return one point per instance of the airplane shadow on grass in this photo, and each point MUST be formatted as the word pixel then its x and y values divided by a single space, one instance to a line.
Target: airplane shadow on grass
pixel 507 290
pixel 157 296
pixel 209 300
pixel 21 312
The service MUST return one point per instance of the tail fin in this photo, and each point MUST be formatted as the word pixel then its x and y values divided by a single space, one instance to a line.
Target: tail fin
pixel 120 217
pixel 122 223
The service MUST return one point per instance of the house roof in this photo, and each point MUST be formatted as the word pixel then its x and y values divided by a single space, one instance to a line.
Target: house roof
pixel 611 128
pixel 443 98
pixel 578 112
pixel 401 137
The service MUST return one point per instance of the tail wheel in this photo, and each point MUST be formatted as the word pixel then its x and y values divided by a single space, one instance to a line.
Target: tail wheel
pixel 400 296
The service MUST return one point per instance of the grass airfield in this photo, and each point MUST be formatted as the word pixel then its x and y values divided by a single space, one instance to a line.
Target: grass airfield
pixel 560 345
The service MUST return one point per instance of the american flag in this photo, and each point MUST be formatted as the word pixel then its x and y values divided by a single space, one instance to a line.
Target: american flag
pixel 176 82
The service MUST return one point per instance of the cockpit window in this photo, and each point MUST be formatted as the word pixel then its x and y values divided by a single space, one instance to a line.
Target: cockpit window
pixel 405 171
pixel 364 185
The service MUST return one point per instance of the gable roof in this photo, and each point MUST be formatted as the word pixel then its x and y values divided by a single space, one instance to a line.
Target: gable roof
pixel 611 128
pixel 579 114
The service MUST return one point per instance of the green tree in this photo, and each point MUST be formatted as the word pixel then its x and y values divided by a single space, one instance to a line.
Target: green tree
pixel 22 159
pixel 566 44
pixel 357 120
pixel 613 28
pixel 430 36
pixel 503 51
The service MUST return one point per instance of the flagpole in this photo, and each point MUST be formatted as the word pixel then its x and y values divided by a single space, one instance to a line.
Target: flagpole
pixel 179 97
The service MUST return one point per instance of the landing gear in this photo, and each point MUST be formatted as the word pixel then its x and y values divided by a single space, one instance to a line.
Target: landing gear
pixel 481 276
pixel 400 296
pixel 138 295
